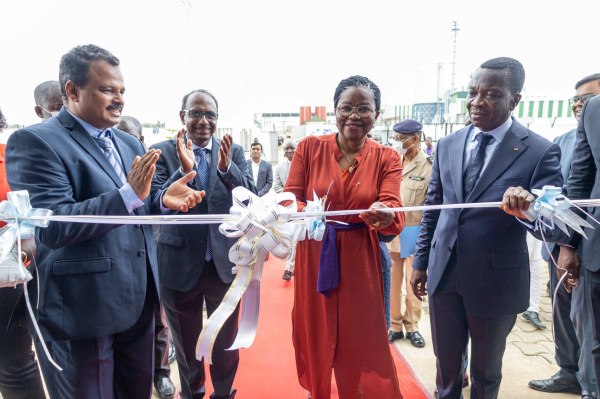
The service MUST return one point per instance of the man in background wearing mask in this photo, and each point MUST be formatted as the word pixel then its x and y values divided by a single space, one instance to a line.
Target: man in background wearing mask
pixel 48 99
pixel 416 172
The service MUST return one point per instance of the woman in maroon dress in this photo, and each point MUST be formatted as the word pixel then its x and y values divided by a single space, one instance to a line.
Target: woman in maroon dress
pixel 338 316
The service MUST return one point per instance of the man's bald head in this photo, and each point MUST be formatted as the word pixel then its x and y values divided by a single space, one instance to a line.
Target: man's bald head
pixel 130 125
pixel 48 99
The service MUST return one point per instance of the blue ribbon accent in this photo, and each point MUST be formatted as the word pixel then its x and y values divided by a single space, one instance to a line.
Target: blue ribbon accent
pixel 329 263
pixel 552 208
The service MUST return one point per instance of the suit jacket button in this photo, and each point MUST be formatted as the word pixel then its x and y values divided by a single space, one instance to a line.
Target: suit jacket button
pixel 138 225
pixel 142 253
pixel 461 221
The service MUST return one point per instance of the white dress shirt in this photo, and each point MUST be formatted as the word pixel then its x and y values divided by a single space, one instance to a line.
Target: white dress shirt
pixel 497 134
pixel 255 167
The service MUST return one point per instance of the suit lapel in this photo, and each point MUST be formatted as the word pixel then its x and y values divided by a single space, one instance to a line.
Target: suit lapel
pixel 457 153
pixel 262 172
pixel 83 138
pixel 511 148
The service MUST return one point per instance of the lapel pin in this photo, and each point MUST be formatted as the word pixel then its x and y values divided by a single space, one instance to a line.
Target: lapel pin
pixel 516 149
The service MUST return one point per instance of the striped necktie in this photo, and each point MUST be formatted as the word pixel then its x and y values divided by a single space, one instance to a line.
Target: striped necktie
pixel 204 176
pixel 104 140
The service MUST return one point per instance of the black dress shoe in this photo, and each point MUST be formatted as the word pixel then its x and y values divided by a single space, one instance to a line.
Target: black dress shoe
pixel 287 275
pixel 230 396
pixel 172 356
pixel 416 339
pixel 164 386
pixel 556 384
pixel 394 336
pixel 534 319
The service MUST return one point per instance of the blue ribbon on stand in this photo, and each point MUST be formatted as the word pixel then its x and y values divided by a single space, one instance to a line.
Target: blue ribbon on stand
pixel 552 208
pixel 549 209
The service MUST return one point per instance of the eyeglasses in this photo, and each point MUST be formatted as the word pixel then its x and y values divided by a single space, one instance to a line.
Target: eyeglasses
pixel 195 114
pixel 400 140
pixel 363 111
pixel 583 98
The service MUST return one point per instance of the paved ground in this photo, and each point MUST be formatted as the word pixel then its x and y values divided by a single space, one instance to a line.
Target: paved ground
pixel 529 355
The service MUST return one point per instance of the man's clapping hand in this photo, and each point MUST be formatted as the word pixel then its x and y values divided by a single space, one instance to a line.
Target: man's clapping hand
pixel 225 153
pixel 142 171
pixel 180 197
pixel 185 153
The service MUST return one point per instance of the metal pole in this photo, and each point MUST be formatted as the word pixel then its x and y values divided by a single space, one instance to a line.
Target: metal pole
pixel 455 30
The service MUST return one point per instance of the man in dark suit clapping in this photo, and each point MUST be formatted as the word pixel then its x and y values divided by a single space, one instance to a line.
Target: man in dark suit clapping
pixel 193 259
pixel 97 282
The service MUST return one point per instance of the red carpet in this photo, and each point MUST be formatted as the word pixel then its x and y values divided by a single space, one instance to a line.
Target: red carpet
pixel 268 369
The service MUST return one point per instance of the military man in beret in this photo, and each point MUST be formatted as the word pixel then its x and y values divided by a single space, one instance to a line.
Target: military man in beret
pixel 416 172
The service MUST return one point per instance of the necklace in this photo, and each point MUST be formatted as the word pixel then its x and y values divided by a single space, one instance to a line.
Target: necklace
pixel 351 168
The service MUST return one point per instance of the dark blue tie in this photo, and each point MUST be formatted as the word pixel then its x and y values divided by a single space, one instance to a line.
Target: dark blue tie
pixel 474 169
pixel 204 176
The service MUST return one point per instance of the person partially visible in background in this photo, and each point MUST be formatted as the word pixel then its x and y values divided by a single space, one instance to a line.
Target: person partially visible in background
pixel 281 175
pixel 48 99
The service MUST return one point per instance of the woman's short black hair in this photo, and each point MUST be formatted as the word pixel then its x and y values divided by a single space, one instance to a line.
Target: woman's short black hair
pixel 357 81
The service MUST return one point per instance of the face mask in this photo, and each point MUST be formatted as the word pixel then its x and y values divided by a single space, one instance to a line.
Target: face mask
pixel 402 151
pixel 53 113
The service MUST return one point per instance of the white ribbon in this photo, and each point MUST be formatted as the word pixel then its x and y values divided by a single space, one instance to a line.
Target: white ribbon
pixel 263 226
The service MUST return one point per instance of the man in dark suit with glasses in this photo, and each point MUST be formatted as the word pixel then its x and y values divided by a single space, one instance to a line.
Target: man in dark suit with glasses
pixel 193 259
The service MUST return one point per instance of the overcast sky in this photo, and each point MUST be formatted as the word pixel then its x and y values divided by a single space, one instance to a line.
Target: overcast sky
pixel 276 55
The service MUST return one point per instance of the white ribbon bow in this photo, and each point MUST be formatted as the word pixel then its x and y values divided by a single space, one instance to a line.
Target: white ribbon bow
pixel 263 225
